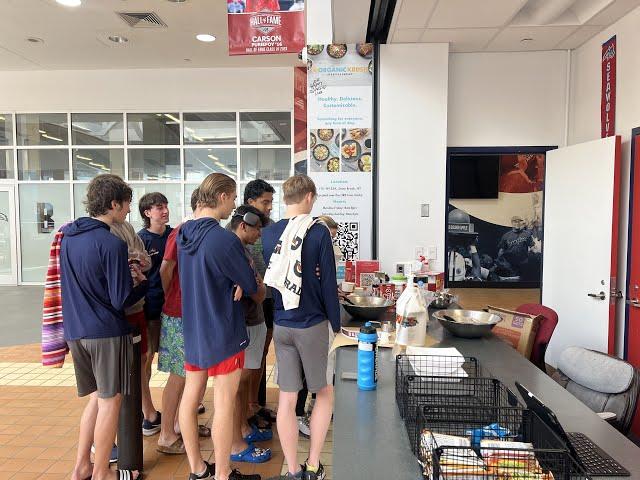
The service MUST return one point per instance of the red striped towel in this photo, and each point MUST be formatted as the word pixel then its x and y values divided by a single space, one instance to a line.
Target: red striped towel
pixel 54 347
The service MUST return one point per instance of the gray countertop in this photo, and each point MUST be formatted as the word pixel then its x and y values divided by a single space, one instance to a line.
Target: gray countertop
pixel 369 437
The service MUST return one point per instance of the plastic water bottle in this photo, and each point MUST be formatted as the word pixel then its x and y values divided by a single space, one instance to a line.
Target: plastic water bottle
pixel 367 357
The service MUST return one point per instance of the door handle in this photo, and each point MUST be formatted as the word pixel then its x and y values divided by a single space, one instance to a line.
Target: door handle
pixel 599 296
pixel 634 302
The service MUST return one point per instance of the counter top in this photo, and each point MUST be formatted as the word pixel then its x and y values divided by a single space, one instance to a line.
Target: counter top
pixel 369 437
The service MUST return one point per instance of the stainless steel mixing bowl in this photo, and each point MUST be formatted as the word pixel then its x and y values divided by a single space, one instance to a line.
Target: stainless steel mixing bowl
pixel 368 308
pixel 467 323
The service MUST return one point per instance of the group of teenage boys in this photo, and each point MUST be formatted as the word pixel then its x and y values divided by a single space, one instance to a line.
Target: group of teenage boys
pixel 196 294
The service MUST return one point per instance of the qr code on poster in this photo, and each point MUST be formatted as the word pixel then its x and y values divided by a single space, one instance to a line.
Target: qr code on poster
pixel 348 240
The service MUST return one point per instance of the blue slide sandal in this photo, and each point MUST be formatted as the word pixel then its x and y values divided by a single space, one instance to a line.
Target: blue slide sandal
pixel 252 454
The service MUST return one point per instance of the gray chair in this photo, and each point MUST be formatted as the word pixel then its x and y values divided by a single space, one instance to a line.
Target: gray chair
pixel 607 385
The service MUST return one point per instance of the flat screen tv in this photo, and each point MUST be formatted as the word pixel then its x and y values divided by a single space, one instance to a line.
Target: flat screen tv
pixel 474 176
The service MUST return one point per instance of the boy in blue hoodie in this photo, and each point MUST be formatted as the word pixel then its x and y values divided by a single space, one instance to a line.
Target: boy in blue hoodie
pixel 214 274
pixel 97 284
pixel 301 335
pixel 154 210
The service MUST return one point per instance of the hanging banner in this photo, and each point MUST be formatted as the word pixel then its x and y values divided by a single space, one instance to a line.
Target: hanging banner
pixel 340 159
pixel 260 27
pixel 608 99
pixel 300 120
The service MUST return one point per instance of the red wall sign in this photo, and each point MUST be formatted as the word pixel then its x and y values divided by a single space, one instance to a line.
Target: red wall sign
pixel 608 101
pixel 261 27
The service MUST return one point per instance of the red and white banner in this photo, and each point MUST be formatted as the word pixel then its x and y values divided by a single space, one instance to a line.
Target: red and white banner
pixel 608 101
pixel 261 27
pixel 300 119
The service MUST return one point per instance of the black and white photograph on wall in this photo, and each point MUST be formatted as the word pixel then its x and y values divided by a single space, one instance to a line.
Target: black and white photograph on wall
pixel 494 220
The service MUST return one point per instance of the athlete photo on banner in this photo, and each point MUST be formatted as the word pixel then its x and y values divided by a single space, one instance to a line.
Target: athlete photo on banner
pixel 262 27
pixel 495 232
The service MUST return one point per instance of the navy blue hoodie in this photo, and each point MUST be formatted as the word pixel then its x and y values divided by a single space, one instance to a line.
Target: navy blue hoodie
pixel 96 281
pixel 155 245
pixel 319 298
pixel 211 262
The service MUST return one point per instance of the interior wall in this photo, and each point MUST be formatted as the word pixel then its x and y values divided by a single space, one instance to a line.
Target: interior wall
pixel 507 99
pixel 584 115
pixel 148 89
pixel 412 142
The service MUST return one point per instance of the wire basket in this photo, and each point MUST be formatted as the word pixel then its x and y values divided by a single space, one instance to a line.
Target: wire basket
pixel 451 442
pixel 454 463
pixel 412 370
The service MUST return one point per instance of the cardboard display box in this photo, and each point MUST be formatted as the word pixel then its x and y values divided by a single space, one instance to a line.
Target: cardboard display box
pixel 517 329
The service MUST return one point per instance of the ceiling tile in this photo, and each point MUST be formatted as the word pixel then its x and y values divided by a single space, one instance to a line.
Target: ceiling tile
pixel 415 13
pixel 614 12
pixel 474 13
pixel 578 37
pixel 408 35
pixel 75 38
pixel 544 38
pixel 11 61
pixel 461 39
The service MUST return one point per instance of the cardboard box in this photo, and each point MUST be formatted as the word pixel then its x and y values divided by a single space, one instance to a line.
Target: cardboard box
pixel 365 271
pixel 517 329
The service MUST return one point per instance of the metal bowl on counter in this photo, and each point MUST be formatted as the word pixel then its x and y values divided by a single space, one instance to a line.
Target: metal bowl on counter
pixel 467 323
pixel 367 308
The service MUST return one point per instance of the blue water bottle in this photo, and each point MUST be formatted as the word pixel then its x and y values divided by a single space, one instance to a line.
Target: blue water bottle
pixel 367 357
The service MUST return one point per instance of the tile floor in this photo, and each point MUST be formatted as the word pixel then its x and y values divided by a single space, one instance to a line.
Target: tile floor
pixel 39 414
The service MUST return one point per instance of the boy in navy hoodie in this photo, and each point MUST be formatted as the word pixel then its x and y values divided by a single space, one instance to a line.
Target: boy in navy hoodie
pixel 154 211
pixel 301 335
pixel 97 284
pixel 214 274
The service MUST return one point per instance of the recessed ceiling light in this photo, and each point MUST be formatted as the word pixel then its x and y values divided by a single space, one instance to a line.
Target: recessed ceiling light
pixel 35 40
pixel 205 37
pixel 526 40
pixel 118 39
pixel 70 3
pixel 187 59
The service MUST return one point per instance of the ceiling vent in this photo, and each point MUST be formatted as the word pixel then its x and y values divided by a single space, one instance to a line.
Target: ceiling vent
pixel 142 19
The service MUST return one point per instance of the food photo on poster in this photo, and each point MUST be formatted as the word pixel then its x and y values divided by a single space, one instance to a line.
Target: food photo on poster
pixel 495 219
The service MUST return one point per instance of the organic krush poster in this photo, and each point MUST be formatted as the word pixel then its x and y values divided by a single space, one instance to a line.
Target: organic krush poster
pixel 340 122
pixel 498 241
pixel 259 27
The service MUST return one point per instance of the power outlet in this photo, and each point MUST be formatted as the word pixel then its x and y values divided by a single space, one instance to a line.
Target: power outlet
pixel 432 253
pixel 424 210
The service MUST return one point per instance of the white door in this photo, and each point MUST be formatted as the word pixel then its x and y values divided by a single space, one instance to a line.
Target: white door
pixel 8 256
pixel 581 204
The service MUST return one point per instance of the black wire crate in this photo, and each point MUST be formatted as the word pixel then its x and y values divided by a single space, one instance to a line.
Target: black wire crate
pixel 445 369
pixel 464 392
pixel 455 463
pixel 488 442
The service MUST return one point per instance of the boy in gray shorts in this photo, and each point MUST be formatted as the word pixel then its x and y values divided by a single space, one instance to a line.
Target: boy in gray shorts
pixel 246 222
pixel 97 284
pixel 300 333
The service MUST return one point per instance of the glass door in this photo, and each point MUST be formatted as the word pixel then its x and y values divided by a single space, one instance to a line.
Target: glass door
pixel 8 266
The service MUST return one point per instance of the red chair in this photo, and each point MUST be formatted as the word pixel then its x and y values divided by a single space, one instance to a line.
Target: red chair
pixel 545 331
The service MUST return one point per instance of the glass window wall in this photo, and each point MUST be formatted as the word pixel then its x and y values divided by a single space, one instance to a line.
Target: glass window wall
pixel 51 157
